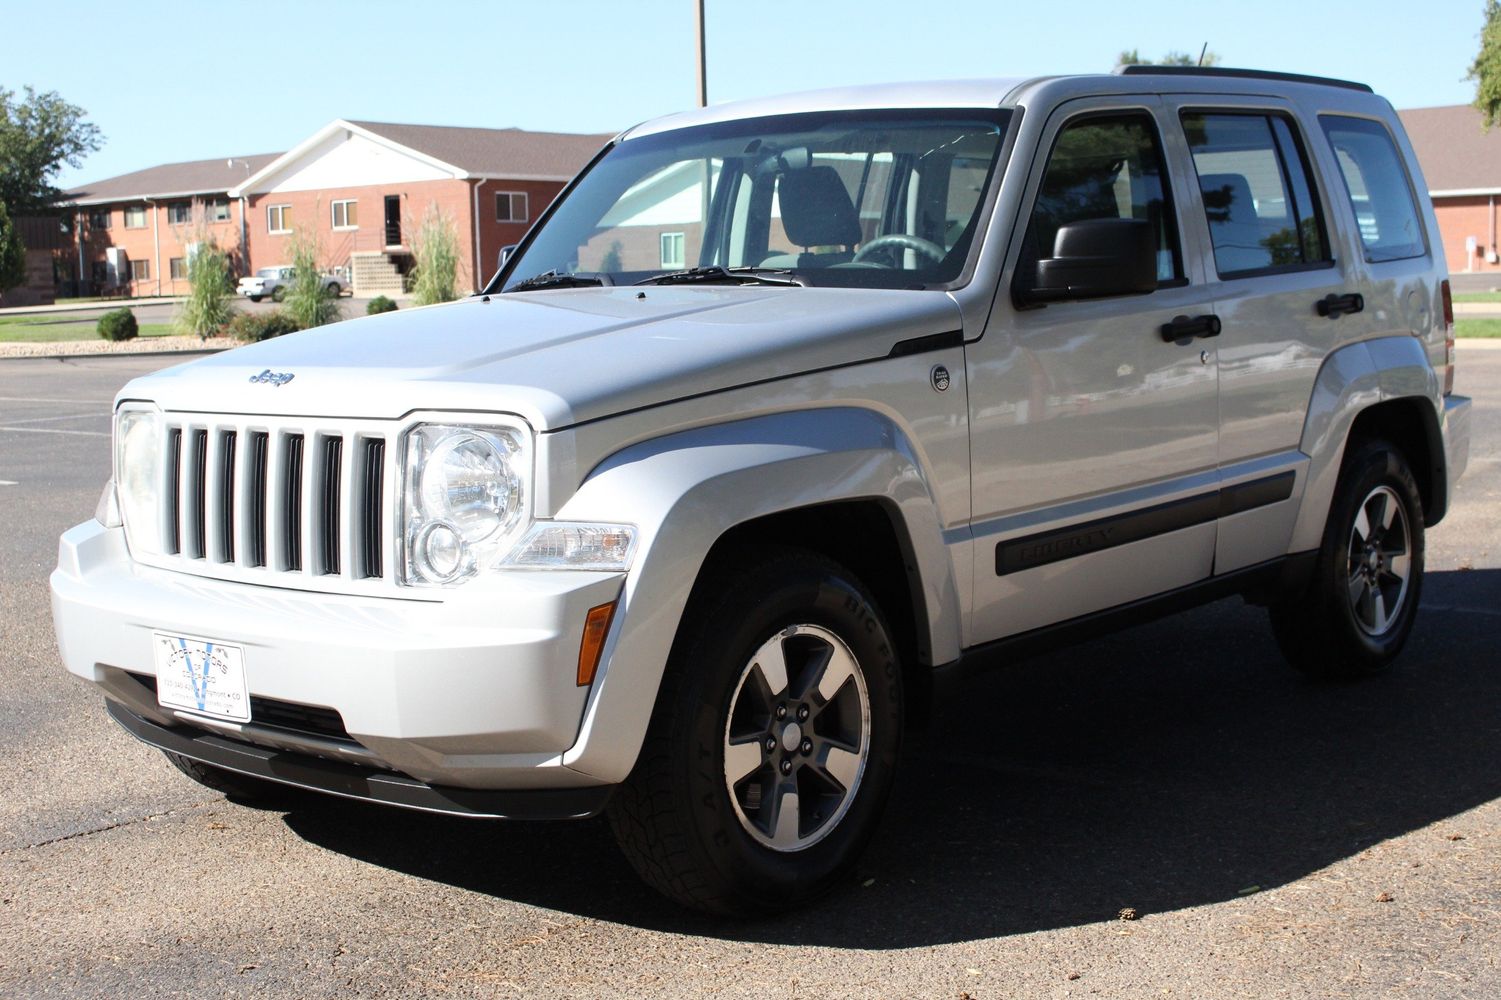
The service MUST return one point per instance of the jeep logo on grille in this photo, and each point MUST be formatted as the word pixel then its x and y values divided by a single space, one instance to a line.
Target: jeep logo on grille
pixel 274 378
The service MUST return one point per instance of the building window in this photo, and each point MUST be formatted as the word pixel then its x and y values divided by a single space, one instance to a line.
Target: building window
pixel 135 216
pixel 218 210
pixel 180 213
pixel 346 215
pixel 510 206
pixel 279 218
pixel 99 218
pixel 140 270
pixel 672 250
pixel 177 267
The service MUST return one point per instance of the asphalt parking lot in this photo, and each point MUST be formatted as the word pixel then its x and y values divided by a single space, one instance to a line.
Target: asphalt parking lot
pixel 1169 811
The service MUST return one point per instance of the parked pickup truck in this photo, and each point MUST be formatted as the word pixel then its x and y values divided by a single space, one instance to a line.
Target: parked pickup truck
pixel 274 282
pixel 785 412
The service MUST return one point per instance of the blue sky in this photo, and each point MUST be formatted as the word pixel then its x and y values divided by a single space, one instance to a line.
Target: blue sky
pixel 192 80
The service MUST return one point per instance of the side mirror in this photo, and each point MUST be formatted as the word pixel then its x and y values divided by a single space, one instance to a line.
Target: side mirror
pixel 505 254
pixel 1096 258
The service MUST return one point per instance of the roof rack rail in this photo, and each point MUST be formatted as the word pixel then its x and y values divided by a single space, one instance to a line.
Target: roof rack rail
pixel 1244 74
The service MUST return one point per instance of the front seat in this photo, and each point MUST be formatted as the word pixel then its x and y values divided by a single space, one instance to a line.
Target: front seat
pixel 817 213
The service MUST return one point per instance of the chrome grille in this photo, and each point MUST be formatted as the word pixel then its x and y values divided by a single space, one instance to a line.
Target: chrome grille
pixel 277 502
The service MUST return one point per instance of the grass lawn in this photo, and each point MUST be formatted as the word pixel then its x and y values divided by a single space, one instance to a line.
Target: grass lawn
pixel 1465 327
pixel 51 329
pixel 1477 296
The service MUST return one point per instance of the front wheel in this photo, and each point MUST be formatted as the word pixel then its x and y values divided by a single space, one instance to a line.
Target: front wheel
pixel 774 741
pixel 1359 607
pixel 278 293
pixel 229 783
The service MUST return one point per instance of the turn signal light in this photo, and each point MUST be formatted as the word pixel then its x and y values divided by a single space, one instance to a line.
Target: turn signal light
pixel 596 627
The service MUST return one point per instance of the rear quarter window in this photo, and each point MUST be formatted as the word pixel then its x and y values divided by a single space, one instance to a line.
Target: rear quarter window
pixel 1379 189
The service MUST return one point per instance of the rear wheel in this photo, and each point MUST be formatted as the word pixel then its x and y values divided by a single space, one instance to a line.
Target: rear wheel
pixel 334 290
pixel 774 741
pixel 278 293
pixel 1360 604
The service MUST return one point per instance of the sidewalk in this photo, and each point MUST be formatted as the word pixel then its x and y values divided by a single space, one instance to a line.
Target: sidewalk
pixel 103 306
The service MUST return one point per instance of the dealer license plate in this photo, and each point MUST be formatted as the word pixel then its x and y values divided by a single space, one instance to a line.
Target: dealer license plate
pixel 201 676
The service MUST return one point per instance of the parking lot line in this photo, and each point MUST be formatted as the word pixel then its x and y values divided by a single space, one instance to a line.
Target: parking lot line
pixel 54 430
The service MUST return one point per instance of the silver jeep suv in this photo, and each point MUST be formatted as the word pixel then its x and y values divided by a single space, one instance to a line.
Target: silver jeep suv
pixel 785 411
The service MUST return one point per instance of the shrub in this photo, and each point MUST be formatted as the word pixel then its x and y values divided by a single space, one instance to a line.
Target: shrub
pixel 207 309
pixel 118 324
pixel 308 301
pixel 379 304
pixel 436 249
pixel 253 327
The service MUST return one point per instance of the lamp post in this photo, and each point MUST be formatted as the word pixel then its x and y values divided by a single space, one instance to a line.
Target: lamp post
pixel 703 72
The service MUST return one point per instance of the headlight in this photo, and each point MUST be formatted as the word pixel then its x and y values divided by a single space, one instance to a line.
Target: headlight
pixel 465 493
pixel 138 477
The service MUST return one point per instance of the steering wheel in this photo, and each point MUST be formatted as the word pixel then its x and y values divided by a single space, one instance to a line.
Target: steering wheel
pixel 927 248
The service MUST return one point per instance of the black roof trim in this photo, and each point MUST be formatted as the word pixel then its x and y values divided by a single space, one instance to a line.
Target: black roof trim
pixel 1243 74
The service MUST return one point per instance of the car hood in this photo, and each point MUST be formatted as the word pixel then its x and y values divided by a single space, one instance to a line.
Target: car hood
pixel 555 358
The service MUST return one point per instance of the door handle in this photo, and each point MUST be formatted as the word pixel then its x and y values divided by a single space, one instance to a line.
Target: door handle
pixel 1186 327
pixel 1335 306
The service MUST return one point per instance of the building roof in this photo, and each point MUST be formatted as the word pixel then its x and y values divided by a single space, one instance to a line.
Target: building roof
pixel 172 180
pixel 461 153
pixel 1457 155
pixel 496 152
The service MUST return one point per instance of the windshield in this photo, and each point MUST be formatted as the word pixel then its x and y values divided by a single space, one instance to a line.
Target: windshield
pixel 882 199
pixel 268 272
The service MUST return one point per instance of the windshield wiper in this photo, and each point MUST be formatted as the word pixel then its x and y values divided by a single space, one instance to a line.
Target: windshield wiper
pixel 554 279
pixel 738 275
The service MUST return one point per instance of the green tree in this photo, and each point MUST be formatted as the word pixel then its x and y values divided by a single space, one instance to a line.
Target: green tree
pixel 1133 57
pixel 208 307
pixel 436 249
pixel 12 254
pixel 1486 69
pixel 309 301
pixel 38 134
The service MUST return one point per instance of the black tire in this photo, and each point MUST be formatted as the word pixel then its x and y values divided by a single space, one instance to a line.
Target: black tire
pixel 278 293
pixel 334 290
pixel 255 298
pixel 705 839
pixel 1329 632
pixel 236 786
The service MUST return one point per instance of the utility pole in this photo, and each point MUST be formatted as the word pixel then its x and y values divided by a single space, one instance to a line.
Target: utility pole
pixel 703 72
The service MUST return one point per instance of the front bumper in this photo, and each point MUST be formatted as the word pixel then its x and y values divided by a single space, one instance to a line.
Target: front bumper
pixel 475 690
pixel 354 782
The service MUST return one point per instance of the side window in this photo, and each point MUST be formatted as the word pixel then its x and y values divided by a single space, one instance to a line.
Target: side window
pixel 1378 186
pixel 1106 167
pixel 1257 199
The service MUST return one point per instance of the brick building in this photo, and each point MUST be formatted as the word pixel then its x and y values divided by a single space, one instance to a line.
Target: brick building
pixel 359 188
pixel 1462 165
pixel 133 232
pixel 362 188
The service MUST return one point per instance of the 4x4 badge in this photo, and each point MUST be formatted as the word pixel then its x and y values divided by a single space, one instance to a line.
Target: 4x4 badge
pixel 275 378
pixel 940 378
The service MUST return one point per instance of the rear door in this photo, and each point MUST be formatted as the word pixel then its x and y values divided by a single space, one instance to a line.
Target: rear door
pixel 1279 289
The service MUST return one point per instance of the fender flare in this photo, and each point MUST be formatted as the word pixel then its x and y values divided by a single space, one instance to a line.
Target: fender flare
pixel 683 491
pixel 1353 379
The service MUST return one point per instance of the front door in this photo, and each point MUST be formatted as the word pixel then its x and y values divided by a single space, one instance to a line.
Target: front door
pixel 393 220
pixel 1093 436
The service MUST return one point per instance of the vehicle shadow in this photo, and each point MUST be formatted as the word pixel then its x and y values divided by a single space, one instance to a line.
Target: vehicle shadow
pixel 1176 764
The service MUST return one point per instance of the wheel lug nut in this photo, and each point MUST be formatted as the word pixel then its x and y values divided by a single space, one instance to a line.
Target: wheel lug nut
pixel 781 711
pixel 807 746
pixel 802 713
pixel 771 744
pixel 786 767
